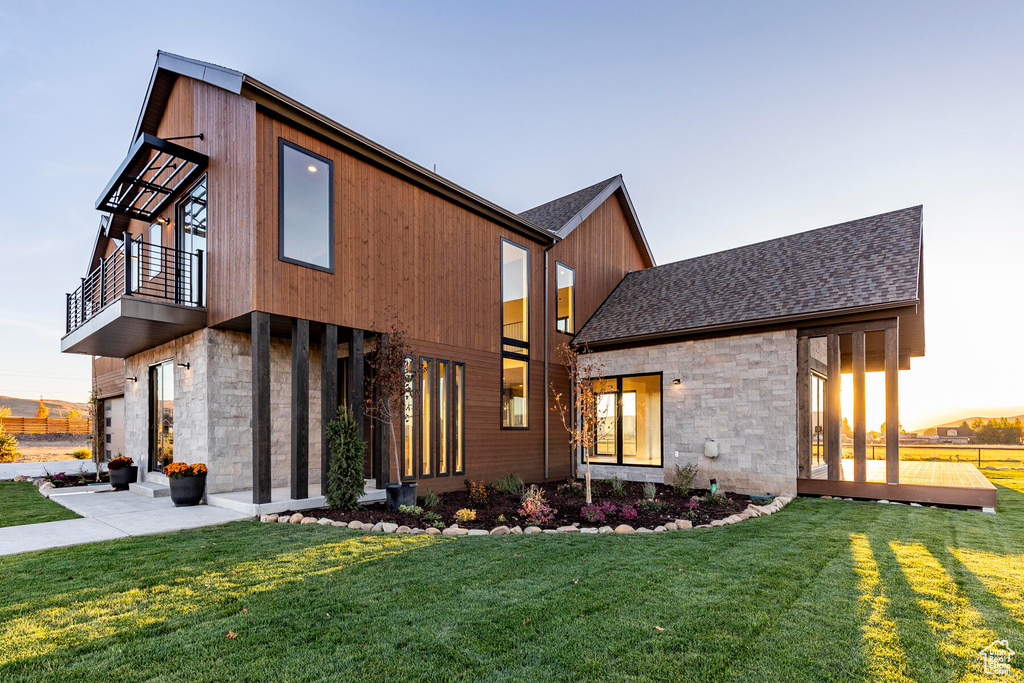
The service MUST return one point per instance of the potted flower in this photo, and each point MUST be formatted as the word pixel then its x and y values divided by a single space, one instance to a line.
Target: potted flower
pixel 188 483
pixel 123 471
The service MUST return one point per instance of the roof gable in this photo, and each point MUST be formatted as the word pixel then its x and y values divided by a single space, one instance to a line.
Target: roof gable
pixel 870 263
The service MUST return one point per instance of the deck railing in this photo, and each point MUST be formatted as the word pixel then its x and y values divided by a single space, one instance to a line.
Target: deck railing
pixel 147 271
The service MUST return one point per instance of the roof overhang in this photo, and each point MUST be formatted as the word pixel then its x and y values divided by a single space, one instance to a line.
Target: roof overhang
pixel 150 177
pixel 131 325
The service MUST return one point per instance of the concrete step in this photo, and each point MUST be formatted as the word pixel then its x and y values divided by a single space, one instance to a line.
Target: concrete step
pixel 150 489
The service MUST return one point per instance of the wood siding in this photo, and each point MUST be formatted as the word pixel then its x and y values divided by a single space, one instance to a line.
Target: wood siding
pixel 108 376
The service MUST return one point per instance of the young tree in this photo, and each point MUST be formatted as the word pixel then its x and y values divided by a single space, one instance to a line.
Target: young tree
pixel 579 413
pixel 345 483
pixel 94 405
pixel 42 411
pixel 386 384
pixel 5 411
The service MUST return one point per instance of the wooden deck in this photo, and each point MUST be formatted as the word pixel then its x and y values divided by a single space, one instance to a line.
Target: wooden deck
pixel 941 483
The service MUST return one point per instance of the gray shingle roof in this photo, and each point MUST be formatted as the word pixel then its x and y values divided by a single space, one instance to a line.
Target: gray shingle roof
pixel 556 213
pixel 871 262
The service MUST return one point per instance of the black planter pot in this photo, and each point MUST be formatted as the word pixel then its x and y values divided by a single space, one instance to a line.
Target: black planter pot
pixel 400 494
pixel 188 490
pixel 120 478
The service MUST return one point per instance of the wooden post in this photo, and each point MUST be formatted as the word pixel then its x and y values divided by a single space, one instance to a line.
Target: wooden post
pixel 803 407
pixel 833 411
pixel 356 388
pixel 382 434
pixel 892 404
pixel 328 394
pixel 860 424
pixel 260 407
pixel 300 409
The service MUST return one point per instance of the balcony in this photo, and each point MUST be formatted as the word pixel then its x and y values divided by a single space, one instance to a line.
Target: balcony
pixel 141 296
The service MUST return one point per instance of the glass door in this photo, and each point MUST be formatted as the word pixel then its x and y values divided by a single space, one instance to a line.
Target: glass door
pixel 191 239
pixel 161 415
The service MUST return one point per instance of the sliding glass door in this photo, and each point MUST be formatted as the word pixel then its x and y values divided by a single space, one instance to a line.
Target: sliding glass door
pixel 161 415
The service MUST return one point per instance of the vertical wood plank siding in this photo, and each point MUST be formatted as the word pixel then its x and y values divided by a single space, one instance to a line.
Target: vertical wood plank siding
pixel 860 463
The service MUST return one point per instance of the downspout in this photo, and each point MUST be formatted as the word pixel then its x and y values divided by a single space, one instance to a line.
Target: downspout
pixel 547 407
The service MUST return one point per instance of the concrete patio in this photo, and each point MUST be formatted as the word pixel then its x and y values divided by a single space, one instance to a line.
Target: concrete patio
pixel 108 515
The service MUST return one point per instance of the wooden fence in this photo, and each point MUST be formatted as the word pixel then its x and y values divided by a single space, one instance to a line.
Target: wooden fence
pixel 46 425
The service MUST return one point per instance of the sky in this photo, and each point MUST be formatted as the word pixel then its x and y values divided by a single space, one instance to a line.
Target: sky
pixel 730 122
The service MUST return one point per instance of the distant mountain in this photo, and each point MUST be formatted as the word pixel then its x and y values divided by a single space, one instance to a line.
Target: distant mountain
pixel 931 431
pixel 27 407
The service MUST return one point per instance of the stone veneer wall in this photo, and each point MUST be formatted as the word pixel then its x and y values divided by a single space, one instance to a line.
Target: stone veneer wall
pixel 739 391
pixel 213 407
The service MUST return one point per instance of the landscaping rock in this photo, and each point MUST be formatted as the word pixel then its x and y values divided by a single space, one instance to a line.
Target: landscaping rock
pixel 416 531
pixel 671 526
pixel 308 520
pixel 732 519
pixel 431 531
pixel 532 530
pixel 517 530
pixel 624 529
pixel 703 526
pixel 21 477
pixel 478 532
pixel 355 524
pixel 403 530
pixel 284 520
pixel 46 486
pixel 389 527
pixel 273 518
pixel 916 505
pixel 341 524
pixel 324 521
pixel 551 531
pixel 567 529
pixel 884 502
pixel 296 518
pixel 659 528
pixel 683 524
pixel 455 531
pixel 588 530
pixel 644 530
pixel 38 481
pixel 718 522
pixel 500 531
pixel 605 530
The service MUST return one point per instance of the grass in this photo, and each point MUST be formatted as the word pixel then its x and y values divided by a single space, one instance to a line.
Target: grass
pixel 20 503
pixel 824 590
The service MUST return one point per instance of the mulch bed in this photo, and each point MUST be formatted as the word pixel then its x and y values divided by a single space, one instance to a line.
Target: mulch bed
pixel 567 504
pixel 63 481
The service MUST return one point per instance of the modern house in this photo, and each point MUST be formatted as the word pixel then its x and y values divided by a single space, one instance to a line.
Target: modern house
pixel 252 253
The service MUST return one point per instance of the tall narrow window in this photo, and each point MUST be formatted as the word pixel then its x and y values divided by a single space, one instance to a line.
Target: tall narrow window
pixel 459 420
pixel 515 335
pixel 443 418
pixel 191 226
pixel 161 415
pixel 154 250
pixel 136 246
pixel 426 416
pixel 305 221
pixel 565 281
pixel 409 420
pixel 607 424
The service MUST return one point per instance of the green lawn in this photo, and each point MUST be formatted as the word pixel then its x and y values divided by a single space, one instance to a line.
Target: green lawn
pixel 822 591
pixel 20 503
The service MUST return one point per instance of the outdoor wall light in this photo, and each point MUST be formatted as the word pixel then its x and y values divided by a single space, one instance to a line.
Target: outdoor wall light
pixel 163 221
pixel 184 365
pixel 131 379
pixel 677 382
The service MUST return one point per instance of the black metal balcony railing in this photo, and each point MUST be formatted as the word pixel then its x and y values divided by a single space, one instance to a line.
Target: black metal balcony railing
pixel 135 269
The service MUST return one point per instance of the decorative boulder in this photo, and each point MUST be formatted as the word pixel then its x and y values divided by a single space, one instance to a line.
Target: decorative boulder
pixel 431 531
pixel 624 529
pixel 296 518
pixel 532 530
pixel 324 521
pixel 500 531
pixel 308 520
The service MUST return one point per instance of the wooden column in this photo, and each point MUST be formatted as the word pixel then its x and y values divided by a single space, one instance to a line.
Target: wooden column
pixel 833 411
pixel 300 409
pixel 892 404
pixel 328 394
pixel 356 385
pixel 803 407
pixel 260 341
pixel 860 425
pixel 382 436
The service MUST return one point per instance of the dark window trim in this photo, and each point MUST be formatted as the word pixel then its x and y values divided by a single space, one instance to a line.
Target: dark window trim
pixel 419 417
pixel 507 341
pixel 573 332
pixel 281 144
pixel 501 390
pixel 179 240
pixel 413 367
pixel 501 270
pixel 437 419
pixel 618 418
pixel 153 426
pixel 460 407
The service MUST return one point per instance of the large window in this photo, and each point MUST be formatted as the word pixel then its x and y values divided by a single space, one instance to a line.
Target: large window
pixel 628 421
pixel 161 415
pixel 433 419
pixel 305 229
pixel 515 335
pixel 191 225
pixel 565 281
pixel 153 256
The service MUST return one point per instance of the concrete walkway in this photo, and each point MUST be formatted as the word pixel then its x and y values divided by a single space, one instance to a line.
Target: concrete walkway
pixel 107 515
pixel 9 470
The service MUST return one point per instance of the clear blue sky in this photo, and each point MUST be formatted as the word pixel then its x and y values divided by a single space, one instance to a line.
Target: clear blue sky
pixel 731 123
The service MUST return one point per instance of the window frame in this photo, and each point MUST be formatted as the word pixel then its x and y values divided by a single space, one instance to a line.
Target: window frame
pixel 517 343
pixel 572 304
pixel 437 418
pixel 619 455
pixel 153 426
pixel 458 402
pixel 155 251
pixel 281 144
pixel 455 406
pixel 419 417
pixel 413 391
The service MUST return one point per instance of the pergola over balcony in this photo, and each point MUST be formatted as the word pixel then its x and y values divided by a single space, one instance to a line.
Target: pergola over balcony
pixel 149 178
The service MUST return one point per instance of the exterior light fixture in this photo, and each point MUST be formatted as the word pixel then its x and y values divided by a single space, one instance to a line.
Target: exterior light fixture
pixel 677 382
pixel 131 379
pixel 311 168
pixel 184 365
pixel 162 220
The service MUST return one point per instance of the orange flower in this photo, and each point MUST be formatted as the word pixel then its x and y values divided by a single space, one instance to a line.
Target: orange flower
pixel 178 470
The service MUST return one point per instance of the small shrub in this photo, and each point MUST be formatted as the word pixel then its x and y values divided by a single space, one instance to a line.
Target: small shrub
pixel 650 505
pixel 465 515
pixel 345 483
pixel 681 478
pixel 650 491
pixel 535 507
pixel 501 519
pixel 432 519
pixel 717 499
pixel 8 446
pixel 628 512
pixel 617 486
pixel 81 454
pixel 42 412
pixel 410 510
pixel 691 507
pixel 510 484
pixel 573 487
pixel 597 513
pixel 430 499
pixel 477 493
